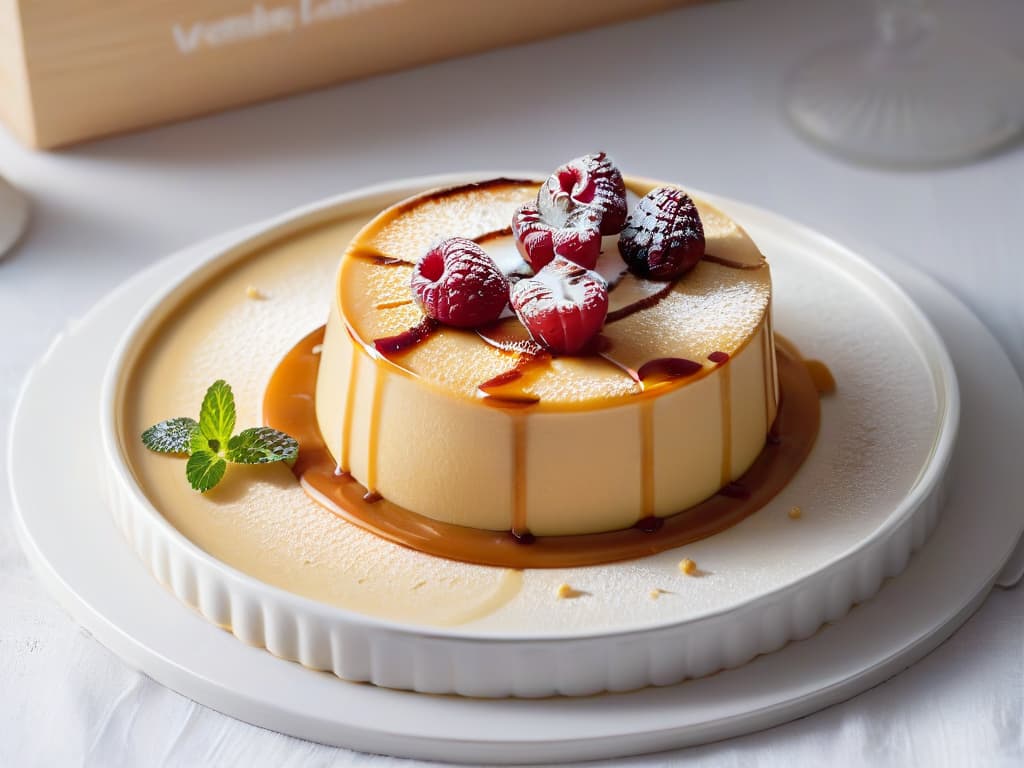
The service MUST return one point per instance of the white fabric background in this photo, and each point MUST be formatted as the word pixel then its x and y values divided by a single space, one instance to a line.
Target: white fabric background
pixel 692 95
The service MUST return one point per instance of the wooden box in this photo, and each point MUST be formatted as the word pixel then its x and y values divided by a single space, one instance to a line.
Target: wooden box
pixel 77 69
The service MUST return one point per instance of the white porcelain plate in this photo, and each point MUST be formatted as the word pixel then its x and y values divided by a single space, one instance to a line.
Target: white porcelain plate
pixel 69 535
pixel 287 575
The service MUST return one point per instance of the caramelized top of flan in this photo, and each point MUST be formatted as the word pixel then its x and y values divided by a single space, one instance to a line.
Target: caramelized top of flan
pixel 714 308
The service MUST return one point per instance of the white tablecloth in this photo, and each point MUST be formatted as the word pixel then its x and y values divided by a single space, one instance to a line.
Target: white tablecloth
pixel 692 95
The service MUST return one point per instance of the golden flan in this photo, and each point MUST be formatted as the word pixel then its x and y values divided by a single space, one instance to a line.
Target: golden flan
pixel 673 404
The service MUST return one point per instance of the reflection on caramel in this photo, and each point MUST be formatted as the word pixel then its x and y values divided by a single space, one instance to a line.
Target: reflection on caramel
pixel 666 368
pixel 289 406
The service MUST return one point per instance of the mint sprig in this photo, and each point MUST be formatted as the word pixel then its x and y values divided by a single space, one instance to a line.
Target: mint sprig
pixel 209 442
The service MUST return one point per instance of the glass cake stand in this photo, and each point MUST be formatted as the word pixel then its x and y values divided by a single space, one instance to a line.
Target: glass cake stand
pixel 918 92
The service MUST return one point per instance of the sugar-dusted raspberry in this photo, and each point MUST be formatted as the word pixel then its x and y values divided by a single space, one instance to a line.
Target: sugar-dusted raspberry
pixel 581 201
pixel 457 283
pixel 588 189
pixel 539 242
pixel 664 237
pixel 563 306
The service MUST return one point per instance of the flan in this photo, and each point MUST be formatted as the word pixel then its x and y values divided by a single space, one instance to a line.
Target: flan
pixel 674 404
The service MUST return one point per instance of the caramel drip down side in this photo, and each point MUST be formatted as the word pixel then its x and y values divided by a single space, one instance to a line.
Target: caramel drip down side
pixel 766 376
pixel 647 458
pixel 519 522
pixel 372 438
pixel 773 359
pixel 725 383
pixel 290 407
pixel 345 460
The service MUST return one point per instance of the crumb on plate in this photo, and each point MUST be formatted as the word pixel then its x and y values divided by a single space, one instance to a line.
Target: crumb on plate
pixel 565 592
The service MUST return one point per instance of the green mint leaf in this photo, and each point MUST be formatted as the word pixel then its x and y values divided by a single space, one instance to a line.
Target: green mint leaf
pixel 204 470
pixel 171 436
pixel 261 445
pixel 217 415
pixel 201 442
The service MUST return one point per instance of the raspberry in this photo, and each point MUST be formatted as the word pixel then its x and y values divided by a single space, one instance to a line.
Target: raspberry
pixel 457 283
pixel 581 201
pixel 588 189
pixel 664 237
pixel 563 306
pixel 539 242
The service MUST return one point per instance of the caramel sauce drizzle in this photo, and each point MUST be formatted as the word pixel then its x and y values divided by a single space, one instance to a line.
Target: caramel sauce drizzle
pixel 393 304
pixel 647 458
pixel 400 342
pixel 725 384
pixel 667 368
pixel 645 303
pixel 289 405
pixel 766 367
pixel 372 439
pixel 772 359
pixel 510 387
pixel 345 460
pixel 519 527
pixel 822 377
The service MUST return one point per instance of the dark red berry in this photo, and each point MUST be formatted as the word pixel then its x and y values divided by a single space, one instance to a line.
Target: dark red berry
pixel 539 242
pixel 457 283
pixel 587 190
pixel 563 306
pixel 664 237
